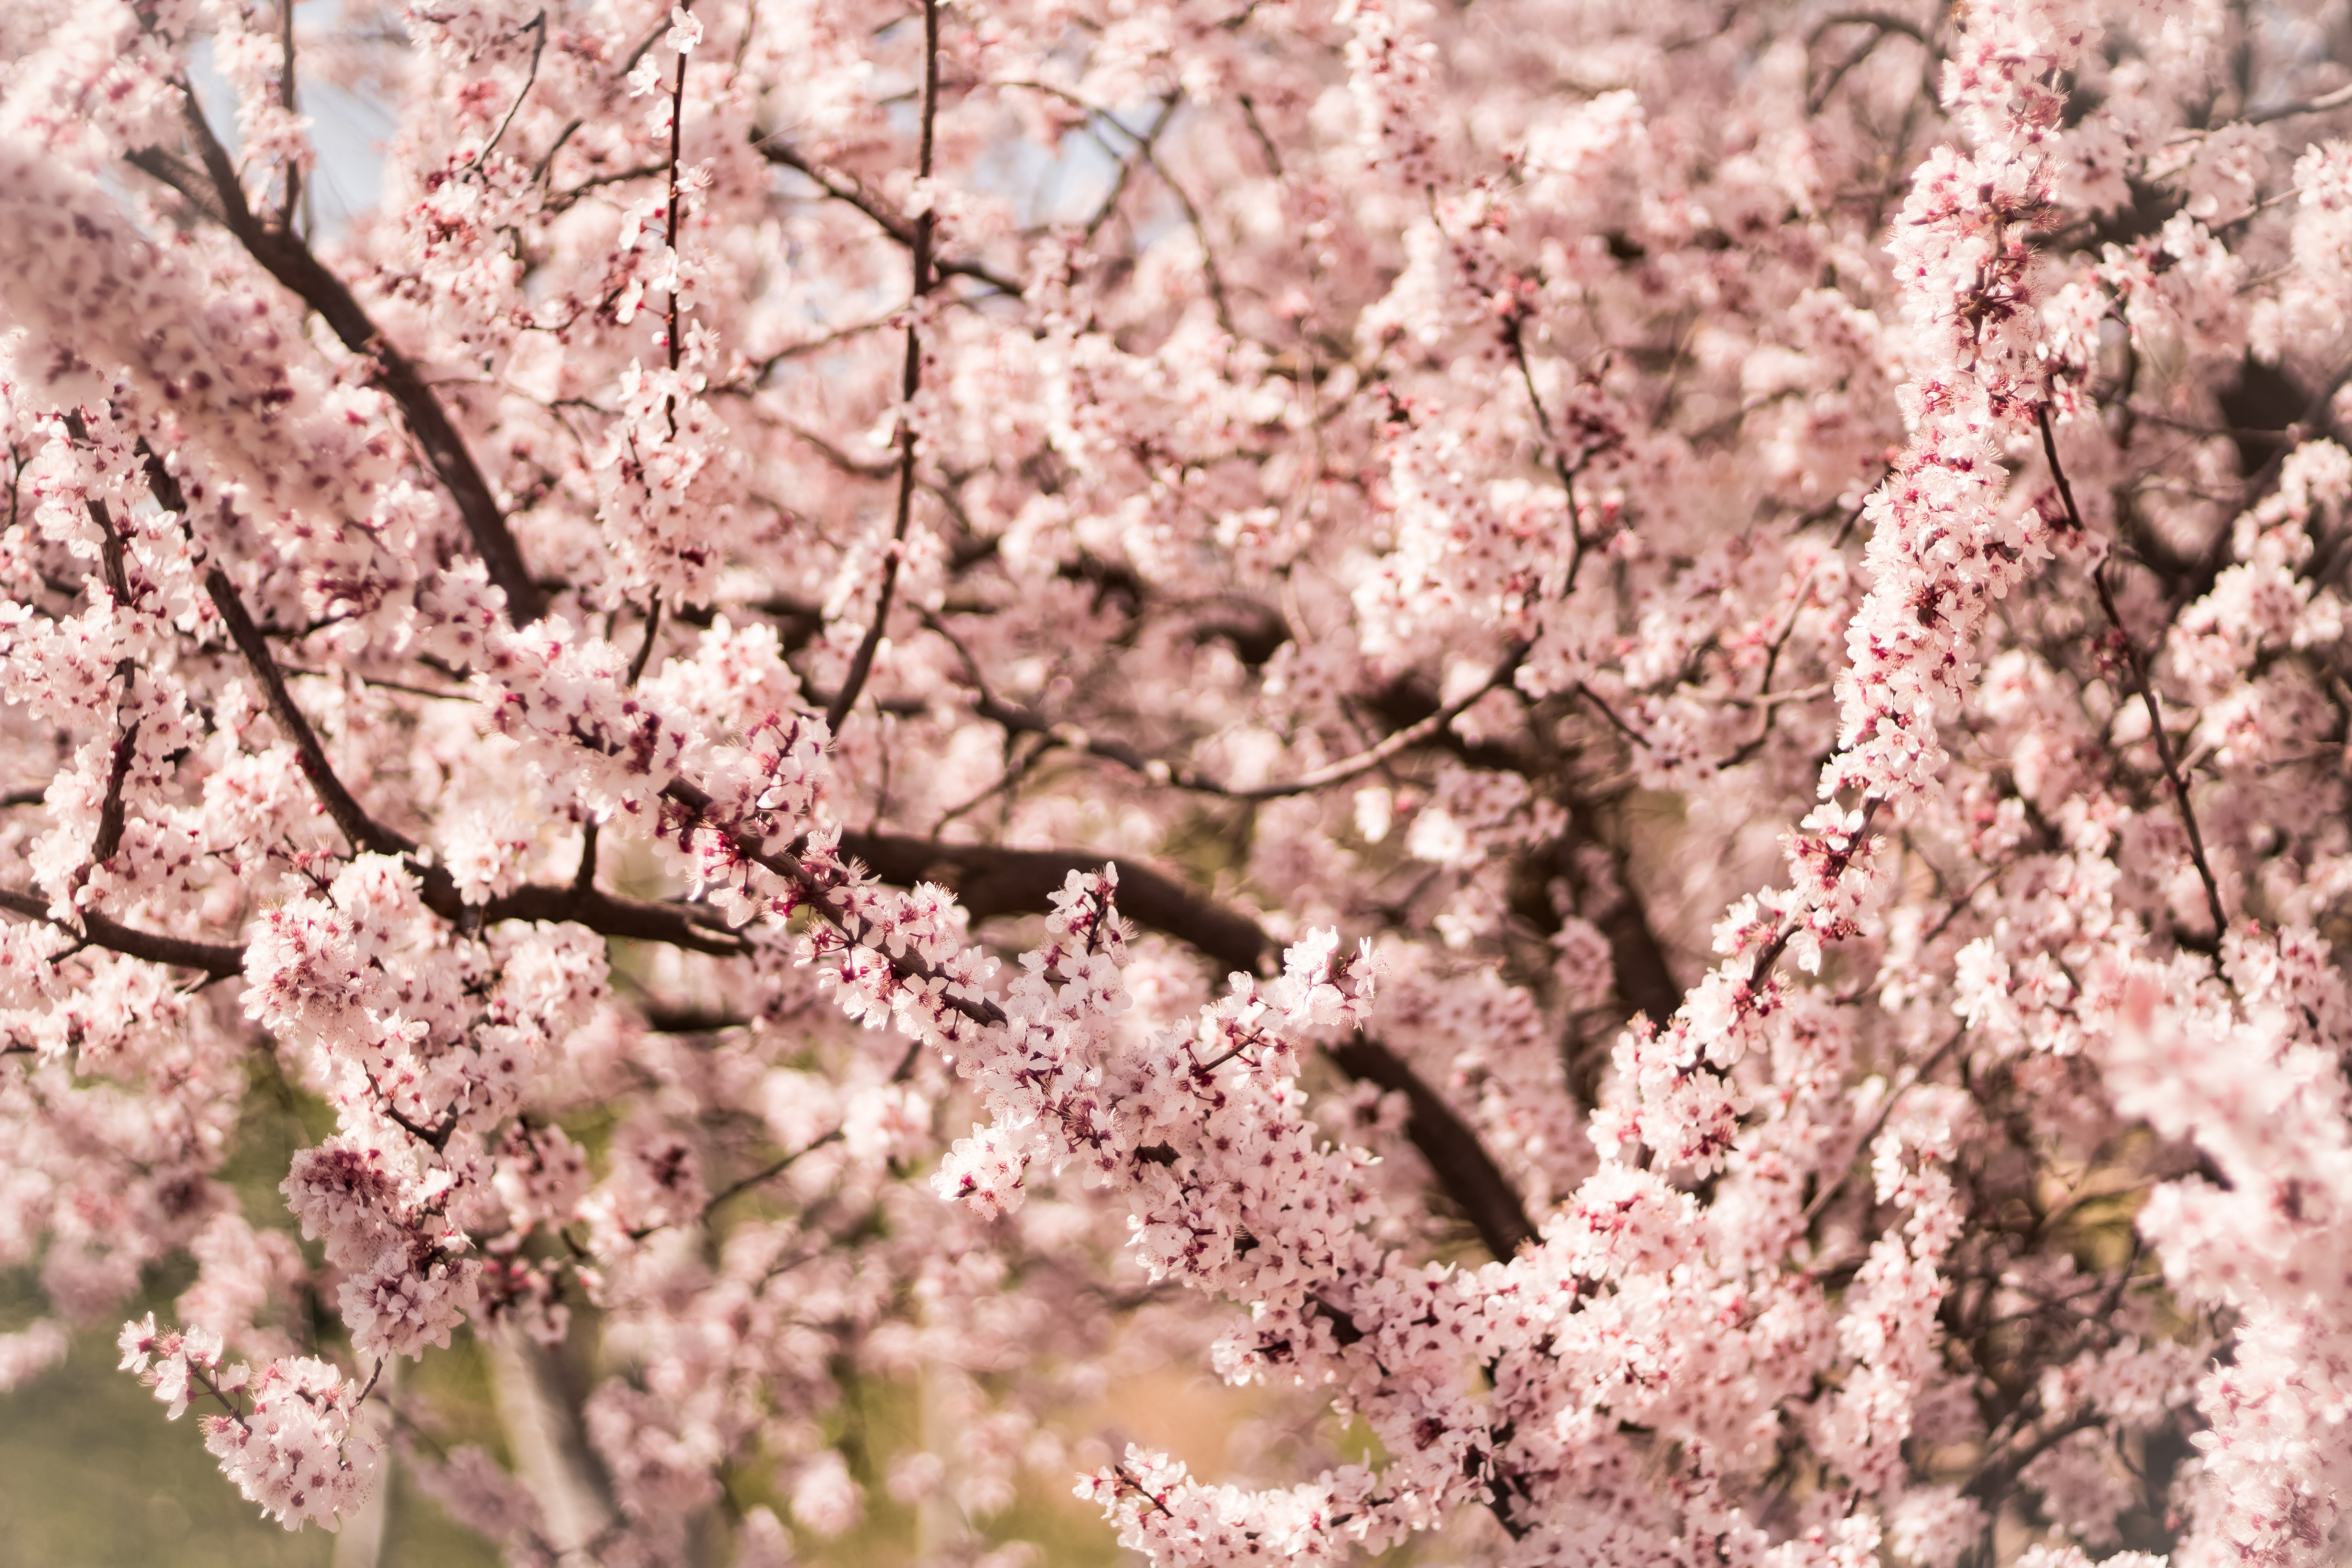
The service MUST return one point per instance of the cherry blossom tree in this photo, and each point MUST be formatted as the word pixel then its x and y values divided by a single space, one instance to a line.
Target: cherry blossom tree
pixel 1609 738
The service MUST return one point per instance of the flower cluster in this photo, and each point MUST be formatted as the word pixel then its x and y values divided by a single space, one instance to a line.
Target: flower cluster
pixel 287 1438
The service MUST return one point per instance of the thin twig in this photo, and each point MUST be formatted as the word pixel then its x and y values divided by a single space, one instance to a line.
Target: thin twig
pixel 383 684
pixel 536 25
pixel 1821 1199
pixel 1584 690
pixel 676 135
pixel 291 197
pixel 772 1172
pixel 1143 149
pixel 215 1390
pixel 1770 953
pixel 1159 771
pixel 2323 104
pixel 378 1372
pixel 850 193
pixel 861 663
pixel 2137 672
pixel 1516 337
pixel 1110 203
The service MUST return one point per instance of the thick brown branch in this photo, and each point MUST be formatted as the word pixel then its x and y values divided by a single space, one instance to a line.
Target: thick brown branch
pixel 1995 1477
pixel 1468 1172
pixel 989 881
pixel 1008 881
pixel 580 903
pixel 215 959
pixel 113 811
pixel 630 918
pixel 1645 981
pixel 606 914
pixel 538 1407
pixel 109 543
pixel 634 919
pixel 1885 22
pixel 676 205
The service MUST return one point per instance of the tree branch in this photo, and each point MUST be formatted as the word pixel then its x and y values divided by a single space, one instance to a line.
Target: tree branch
pixel 693 805
pixel 861 663
pixel 2323 104
pixel 1007 882
pixel 112 810
pixel 285 257
pixel 988 880
pixel 768 1172
pixel 1999 1473
pixel 688 926
pixel 1463 1166
pixel 215 959
pixel 540 1412
pixel 1025 720
pixel 850 193
pixel 581 904
pixel 538 26
pixel 1110 203
pixel 1143 149
pixel 362 832
pixel 634 919
pixel 2141 684
pixel 1885 21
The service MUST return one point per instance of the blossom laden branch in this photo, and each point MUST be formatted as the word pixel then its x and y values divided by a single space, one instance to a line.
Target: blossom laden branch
pixel 284 256
pixel 989 881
